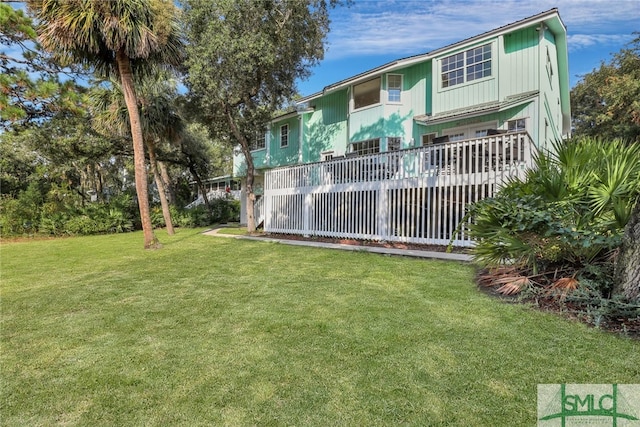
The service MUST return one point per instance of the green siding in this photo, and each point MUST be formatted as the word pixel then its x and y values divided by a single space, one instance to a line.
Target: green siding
pixel 519 67
pixel 519 64
pixel 326 127
pixel 280 156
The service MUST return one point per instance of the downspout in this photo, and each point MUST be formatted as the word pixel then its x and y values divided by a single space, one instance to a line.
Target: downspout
pixel 300 137
pixel 542 145
pixel 268 144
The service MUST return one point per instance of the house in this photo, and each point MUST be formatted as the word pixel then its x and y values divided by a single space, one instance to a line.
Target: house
pixel 397 152
pixel 219 187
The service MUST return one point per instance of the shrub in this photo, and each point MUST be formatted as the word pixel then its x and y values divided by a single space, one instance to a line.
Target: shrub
pixel 565 219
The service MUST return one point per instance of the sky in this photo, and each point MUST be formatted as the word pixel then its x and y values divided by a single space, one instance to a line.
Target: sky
pixel 371 33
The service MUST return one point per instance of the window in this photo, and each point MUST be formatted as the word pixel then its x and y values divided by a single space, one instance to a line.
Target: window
pixel 284 135
pixel 366 93
pixel 259 142
pixel 394 87
pixel 516 125
pixel 456 136
pixel 428 138
pixel 466 66
pixel 326 156
pixel 370 146
pixel 394 143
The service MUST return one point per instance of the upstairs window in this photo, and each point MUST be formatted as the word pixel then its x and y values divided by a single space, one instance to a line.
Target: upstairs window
pixel 394 87
pixel 284 135
pixel 466 66
pixel 366 93
pixel 259 142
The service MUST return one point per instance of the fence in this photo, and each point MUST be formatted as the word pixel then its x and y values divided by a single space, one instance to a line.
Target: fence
pixel 416 196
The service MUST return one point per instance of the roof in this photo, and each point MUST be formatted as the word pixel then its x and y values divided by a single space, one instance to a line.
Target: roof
pixel 550 17
pixel 478 109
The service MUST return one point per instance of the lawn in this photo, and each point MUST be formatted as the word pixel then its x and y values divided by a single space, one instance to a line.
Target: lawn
pixel 213 331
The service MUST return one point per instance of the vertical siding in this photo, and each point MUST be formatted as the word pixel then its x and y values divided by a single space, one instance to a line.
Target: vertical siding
pixel 280 156
pixel 465 94
pixel 325 129
pixel 519 63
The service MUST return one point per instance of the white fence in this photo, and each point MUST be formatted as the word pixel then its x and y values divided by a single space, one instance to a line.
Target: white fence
pixel 415 196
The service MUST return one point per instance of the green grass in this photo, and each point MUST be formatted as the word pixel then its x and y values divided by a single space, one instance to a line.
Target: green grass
pixel 211 331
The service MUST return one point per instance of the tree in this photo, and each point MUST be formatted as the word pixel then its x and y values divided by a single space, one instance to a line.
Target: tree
pixel 160 121
pixel 628 263
pixel 115 37
pixel 244 57
pixel 606 102
pixel 30 85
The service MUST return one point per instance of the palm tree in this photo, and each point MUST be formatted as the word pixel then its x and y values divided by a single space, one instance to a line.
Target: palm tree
pixel 115 37
pixel 156 94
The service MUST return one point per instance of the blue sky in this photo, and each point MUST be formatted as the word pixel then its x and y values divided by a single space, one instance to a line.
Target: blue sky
pixel 373 32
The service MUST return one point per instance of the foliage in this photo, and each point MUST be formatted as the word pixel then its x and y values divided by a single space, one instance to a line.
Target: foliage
pixel 57 211
pixel 31 87
pixel 606 102
pixel 223 210
pixel 317 338
pixel 564 220
pixel 122 38
pixel 258 51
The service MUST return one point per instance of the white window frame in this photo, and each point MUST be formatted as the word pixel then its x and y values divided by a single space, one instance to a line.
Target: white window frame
pixel 394 143
pixel 361 84
pixel 397 91
pixel 468 131
pixel 517 125
pixel 427 138
pixel 284 136
pixel 463 67
pixel 259 142
pixel 368 146
pixel 326 156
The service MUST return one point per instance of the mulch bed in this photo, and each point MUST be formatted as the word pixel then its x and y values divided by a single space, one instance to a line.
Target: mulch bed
pixel 367 243
pixel 572 311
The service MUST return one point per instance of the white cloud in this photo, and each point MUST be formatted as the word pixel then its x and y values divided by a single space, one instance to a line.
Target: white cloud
pixel 400 28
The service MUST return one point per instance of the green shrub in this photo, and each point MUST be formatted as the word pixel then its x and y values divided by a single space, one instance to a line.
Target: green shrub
pixel 565 217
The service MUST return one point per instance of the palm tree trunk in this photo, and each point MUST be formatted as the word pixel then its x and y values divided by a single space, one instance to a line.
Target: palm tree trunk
pixel 140 171
pixel 166 180
pixel 628 265
pixel 166 213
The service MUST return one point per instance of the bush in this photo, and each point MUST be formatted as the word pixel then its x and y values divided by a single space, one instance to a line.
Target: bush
pixel 564 221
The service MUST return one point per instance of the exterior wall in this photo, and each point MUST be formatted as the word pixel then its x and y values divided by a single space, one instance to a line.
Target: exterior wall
pixel 469 93
pixel 325 129
pixel 518 64
pixel 278 155
pixel 519 68
pixel 550 107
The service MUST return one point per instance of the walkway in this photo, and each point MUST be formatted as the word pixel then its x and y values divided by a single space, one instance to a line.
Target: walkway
pixel 373 249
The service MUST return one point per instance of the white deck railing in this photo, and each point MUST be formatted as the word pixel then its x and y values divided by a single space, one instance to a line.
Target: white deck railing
pixel 417 195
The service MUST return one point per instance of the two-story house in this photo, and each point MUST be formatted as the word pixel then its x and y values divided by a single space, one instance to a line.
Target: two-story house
pixel 397 152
